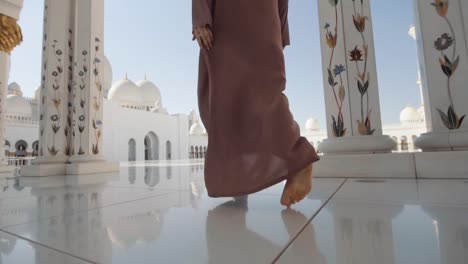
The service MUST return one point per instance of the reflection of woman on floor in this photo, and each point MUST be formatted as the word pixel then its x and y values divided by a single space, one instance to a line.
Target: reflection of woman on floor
pixel 253 140
pixel 230 241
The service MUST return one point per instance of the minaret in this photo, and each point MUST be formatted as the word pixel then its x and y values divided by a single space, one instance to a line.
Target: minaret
pixel 412 33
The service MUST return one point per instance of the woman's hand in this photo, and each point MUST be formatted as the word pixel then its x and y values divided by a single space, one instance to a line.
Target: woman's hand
pixel 204 37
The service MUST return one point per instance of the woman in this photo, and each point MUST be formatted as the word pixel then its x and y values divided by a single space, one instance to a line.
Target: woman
pixel 253 140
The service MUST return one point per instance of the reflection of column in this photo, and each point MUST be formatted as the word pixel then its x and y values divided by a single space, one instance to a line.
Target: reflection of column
pixel 78 221
pixel 350 77
pixel 87 156
pixel 364 232
pixel 452 227
pixel 443 62
pixel 10 37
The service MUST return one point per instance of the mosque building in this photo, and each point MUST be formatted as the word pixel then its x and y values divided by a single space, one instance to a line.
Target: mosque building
pixel 146 130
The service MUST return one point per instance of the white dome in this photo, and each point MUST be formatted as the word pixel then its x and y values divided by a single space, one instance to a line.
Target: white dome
pixel 149 92
pixel 18 106
pixel 14 88
pixel 125 91
pixel 196 129
pixel 107 76
pixel 312 124
pixel 409 115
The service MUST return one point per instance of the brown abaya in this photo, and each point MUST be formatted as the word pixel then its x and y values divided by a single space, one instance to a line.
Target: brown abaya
pixel 253 140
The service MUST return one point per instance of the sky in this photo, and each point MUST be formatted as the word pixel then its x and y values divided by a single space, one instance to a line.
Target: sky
pixel 154 38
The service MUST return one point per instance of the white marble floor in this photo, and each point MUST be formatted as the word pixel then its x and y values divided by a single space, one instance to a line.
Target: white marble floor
pixel 159 213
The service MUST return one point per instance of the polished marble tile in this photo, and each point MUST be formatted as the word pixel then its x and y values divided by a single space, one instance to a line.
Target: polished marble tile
pixel 14 250
pixel 389 222
pixel 179 227
pixel 45 197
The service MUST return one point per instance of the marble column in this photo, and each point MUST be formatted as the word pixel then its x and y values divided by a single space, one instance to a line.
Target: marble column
pixel 10 37
pixel 87 155
pixel 71 102
pixel 442 45
pixel 57 62
pixel 350 80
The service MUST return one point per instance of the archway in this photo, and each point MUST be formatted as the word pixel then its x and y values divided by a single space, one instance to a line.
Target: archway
pixel 168 150
pixel 35 146
pixel 151 146
pixel 7 148
pixel 152 176
pixel 132 150
pixel 21 147
pixel 404 143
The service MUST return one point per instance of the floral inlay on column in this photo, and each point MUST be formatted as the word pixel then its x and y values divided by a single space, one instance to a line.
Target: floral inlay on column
pixel 97 101
pixel 81 111
pixel 449 63
pixel 55 118
pixel 363 76
pixel 338 126
pixel 69 132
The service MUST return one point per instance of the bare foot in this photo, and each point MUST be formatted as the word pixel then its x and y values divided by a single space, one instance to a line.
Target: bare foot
pixel 297 187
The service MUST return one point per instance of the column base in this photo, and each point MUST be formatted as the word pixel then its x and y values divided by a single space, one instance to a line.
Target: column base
pixel 45 166
pixel 43 169
pixel 6 171
pixel 443 141
pixel 73 166
pixel 357 145
pixel 384 165
pixel 92 167
pixel 442 165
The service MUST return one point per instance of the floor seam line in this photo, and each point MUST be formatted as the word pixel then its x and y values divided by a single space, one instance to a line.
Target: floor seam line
pixel 307 223
pixel 49 247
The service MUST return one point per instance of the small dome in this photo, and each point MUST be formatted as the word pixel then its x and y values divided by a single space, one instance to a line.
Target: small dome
pixel 107 76
pixel 197 129
pixel 37 94
pixel 18 106
pixel 312 124
pixel 149 92
pixel 125 91
pixel 15 89
pixel 409 115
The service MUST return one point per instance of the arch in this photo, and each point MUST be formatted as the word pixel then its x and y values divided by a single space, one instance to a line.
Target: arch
pixel 152 176
pixel 132 150
pixel 21 146
pixel 396 145
pixel 196 152
pixel 168 150
pixel 200 153
pixel 404 143
pixel 151 146
pixel 35 146
pixel 7 148
pixel 192 152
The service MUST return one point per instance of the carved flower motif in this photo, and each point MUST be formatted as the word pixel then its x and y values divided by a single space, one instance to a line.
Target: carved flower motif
pixel 356 54
pixel 441 7
pixel 444 42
